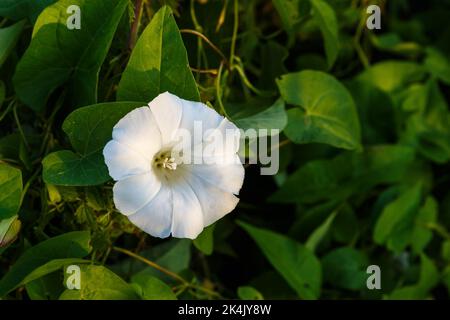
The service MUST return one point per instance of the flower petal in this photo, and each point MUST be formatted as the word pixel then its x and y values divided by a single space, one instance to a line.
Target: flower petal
pixel 222 141
pixel 122 161
pixel 139 131
pixel 167 111
pixel 155 217
pixel 187 212
pixel 132 193
pixel 228 177
pixel 215 202
pixel 199 112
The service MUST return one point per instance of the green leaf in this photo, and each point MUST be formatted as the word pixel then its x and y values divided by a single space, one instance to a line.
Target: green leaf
pixel 10 191
pixel 89 129
pixel 48 287
pixel 376 112
pixel 174 255
pixel 390 76
pixel 272 68
pixel 19 9
pixel 421 234
pixel 345 268
pixel 50 267
pixel 429 277
pixel 338 178
pixel 58 56
pixel 289 13
pixel 158 63
pixel 69 245
pixel 249 293
pixel 438 65
pixel 428 128
pixel 99 283
pixel 205 241
pixel 297 264
pixel 151 288
pixel 325 17
pixel 8 39
pixel 445 251
pixel 317 236
pixel 2 93
pixel 326 113
pixel 272 118
pixel 9 230
pixel 395 225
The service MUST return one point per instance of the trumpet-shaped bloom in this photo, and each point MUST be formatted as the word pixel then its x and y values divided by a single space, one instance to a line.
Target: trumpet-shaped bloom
pixel 176 166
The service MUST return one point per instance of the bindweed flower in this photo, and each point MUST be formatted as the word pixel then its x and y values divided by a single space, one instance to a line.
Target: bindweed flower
pixel 176 166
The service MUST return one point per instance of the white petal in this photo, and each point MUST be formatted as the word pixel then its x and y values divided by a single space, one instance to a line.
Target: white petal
pixel 167 111
pixel 122 161
pixel 187 212
pixel 155 217
pixel 228 177
pixel 132 193
pixel 197 111
pixel 215 202
pixel 222 141
pixel 139 130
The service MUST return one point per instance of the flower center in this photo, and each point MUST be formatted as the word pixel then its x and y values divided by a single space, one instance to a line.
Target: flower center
pixel 164 160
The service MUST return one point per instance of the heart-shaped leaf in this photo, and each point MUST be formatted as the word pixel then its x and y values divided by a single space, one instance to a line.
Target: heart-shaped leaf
pixel 89 129
pixel 326 112
pixel 58 56
pixel 158 63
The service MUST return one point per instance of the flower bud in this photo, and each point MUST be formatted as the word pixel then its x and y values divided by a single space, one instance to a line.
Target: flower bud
pixel 9 230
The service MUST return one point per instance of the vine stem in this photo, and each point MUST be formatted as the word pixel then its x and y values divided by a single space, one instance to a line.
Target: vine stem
pixel 184 282
pixel 219 91
pixel 137 21
pixel 235 30
pixel 204 38
pixel 356 41
pixel 19 126
pixel 151 264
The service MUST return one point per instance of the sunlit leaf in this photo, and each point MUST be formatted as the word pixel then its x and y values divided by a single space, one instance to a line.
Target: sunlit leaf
pixel 158 63
pixel 58 56
pixel 325 110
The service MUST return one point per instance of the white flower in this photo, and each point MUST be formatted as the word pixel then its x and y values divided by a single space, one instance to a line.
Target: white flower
pixel 158 187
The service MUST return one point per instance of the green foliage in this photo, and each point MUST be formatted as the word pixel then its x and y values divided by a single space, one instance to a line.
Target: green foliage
pixel 19 9
pixel 345 268
pixel 8 38
pixel 296 263
pixel 10 191
pixel 325 17
pixel 159 63
pixel 100 284
pixel 363 124
pixel 205 241
pixel 69 245
pixel 327 113
pixel 151 288
pixel 58 56
pixel 249 293
pixel 89 129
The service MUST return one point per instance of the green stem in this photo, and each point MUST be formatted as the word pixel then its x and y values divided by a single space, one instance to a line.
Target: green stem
pixel 136 23
pixel 204 38
pixel 19 126
pixel 219 90
pixel 8 109
pixel 235 31
pixel 439 230
pixel 152 264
